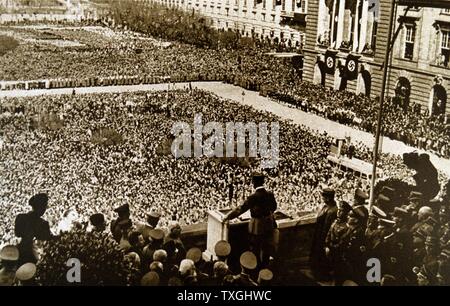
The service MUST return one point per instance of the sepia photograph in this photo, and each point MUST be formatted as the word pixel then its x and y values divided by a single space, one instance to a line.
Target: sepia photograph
pixel 224 147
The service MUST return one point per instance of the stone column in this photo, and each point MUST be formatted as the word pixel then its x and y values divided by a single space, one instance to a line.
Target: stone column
pixel 364 20
pixel 355 29
pixel 340 26
pixel 347 26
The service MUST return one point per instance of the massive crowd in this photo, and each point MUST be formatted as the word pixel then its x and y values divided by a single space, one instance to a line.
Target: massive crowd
pixel 86 149
pixel 105 56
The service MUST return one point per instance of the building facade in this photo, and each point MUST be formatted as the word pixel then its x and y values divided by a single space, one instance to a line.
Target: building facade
pixel 346 42
pixel 278 20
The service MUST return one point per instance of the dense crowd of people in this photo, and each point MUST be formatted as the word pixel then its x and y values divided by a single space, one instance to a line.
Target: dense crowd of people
pixel 108 57
pixel 87 149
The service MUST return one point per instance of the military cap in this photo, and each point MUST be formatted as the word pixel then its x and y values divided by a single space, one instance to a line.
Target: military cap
pixel 222 248
pixel 387 190
pixel 383 199
pixel 401 212
pixel 344 206
pixel 125 208
pixel 97 219
pixel 150 279
pixel 38 200
pixel 194 254
pixel 431 241
pixel 153 218
pixel 26 271
pixel 361 195
pixel 160 255
pixel 156 234
pixel 9 253
pixel 415 196
pixel 359 212
pixel 386 222
pixel 248 260
pixel 328 192
pixel 377 212
pixel 265 275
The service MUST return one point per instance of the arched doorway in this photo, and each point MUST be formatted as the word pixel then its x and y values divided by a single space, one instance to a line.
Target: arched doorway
pixel 439 100
pixel 402 93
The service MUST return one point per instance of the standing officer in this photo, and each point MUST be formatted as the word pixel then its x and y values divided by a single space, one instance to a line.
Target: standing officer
pixel 122 223
pixel 262 225
pixel 325 218
pixel 30 226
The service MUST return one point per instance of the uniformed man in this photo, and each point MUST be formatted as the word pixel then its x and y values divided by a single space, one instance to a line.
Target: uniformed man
pixel 8 256
pixel 30 226
pixel 173 245
pixel 195 254
pixel 401 247
pixel 153 219
pixel 334 240
pixel 384 203
pixel 354 246
pixel 98 222
pixel 120 226
pixel 248 263
pixel 262 225
pixel 325 217
pixel 156 238
pixel 430 266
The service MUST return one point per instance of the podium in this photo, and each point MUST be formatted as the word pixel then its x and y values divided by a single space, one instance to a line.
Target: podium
pixel 217 230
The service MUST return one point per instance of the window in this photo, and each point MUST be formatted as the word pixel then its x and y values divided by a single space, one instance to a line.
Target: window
pixel 409 41
pixel 445 48
pixel 264 4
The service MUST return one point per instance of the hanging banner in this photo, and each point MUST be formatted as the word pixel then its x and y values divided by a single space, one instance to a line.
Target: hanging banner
pixel 351 67
pixel 330 62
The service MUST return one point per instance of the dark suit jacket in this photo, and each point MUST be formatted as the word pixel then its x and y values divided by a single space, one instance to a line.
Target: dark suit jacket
pixel 261 203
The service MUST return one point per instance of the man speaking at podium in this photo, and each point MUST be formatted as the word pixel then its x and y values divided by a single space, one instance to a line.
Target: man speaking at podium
pixel 262 224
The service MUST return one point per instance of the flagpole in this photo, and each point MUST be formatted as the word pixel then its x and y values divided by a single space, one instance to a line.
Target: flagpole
pixel 380 110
